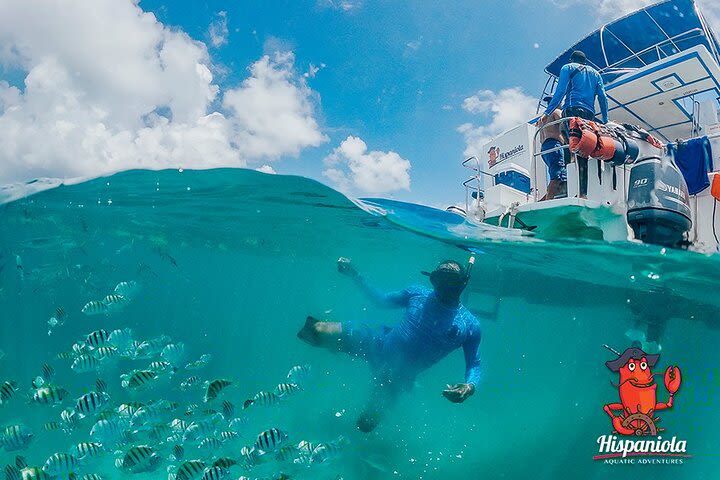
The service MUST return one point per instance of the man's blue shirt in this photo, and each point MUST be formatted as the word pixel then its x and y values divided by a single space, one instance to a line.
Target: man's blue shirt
pixel 580 90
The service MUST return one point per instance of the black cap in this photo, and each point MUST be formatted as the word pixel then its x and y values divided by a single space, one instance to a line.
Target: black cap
pixel 578 57
pixel 547 99
pixel 634 353
pixel 449 267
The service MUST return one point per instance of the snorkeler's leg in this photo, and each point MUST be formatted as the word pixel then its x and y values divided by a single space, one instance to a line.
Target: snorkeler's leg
pixel 317 333
pixel 382 398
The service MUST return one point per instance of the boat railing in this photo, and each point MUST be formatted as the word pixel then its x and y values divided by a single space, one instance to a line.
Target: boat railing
pixel 473 184
pixel 539 152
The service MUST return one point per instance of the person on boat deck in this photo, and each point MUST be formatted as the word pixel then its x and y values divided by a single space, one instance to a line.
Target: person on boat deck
pixel 551 138
pixel 435 323
pixel 579 84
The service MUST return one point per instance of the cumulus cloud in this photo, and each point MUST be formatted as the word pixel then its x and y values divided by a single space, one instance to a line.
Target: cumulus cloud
pixel 352 167
pixel 218 30
pixel 107 87
pixel 266 169
pixel 500 111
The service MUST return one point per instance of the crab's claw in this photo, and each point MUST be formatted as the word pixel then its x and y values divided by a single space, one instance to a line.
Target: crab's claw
pixel 672 379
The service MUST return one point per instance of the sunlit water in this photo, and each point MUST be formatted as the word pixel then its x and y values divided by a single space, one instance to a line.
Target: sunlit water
pixel 232 261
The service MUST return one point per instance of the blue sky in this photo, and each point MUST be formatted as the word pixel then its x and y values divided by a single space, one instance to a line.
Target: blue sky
pixel 367 96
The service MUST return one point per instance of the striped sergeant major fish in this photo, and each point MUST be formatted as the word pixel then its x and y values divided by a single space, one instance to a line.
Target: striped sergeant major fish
pixel 298 374
pixel 284 389
pixel 91 403
pixel 26 473
pixel 228 409
pixel 214 388
pixel 199 363
pixel 202 428
pixel 70 419
pixel 178 452
pixel 84 450
pixel 49 395
pixel 92 476
pixel 224 462
pixel 95 307
pixel 7 391
pixel 44 378
pixel 138 379
pixel 208 445
pixel 190 470
pixel 158 366
pixel 85 364
pixel 121 339
pixel 127 289
pixel 140 459
pixel 327 451
pixel 270 440
pixel 215 473
pixel 109 432
pixel 189 382
pixel 114 302
pixel 15 437
pixel 173 353
pixel 265 399
pixel 97 338
pixel 151 348
pixel 62 465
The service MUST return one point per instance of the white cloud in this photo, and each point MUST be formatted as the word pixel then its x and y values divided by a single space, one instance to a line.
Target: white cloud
pixel 344 5
pixel 313 70
pixel 266 169
pixel 109 88
pixel 351 167
pixel 501 111
pixel 536 45
pixel 273 111
pixel 218 30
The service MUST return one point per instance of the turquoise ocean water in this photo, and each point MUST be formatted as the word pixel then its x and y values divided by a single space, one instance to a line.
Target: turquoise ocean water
pixel 230 262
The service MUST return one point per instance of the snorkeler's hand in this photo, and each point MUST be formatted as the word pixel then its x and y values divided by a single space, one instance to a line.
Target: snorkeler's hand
pixel 459 392
pixel 346 267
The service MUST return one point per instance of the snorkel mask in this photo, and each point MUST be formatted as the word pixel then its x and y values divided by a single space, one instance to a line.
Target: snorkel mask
pixel 450 276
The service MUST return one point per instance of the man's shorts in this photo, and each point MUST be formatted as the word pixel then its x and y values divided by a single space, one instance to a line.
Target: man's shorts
pixel 555 161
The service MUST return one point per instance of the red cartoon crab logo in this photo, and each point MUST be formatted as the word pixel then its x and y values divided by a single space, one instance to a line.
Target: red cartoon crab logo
pixel 638 392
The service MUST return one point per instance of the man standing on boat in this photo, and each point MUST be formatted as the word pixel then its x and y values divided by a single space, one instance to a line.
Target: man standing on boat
pixel 435 324
pixel 579 84
pixel 551 139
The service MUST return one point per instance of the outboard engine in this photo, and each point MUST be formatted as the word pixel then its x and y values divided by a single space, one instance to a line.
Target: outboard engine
pixel 658 202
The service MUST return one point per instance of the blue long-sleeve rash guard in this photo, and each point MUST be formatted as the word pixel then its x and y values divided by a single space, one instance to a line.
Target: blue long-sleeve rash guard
pixel 428 332
pixel 586 84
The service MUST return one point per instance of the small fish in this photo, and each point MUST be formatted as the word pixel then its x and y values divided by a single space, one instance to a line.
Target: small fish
pixel 150 348
pixel 224 462
pixel 69 418
pixel 305 447
pixel 92 476
pixel 114 302
pixel 265 399
pixel 127 289
pixel 228 409
pixel 271 439
pixel 91 403
pixel 227 435
pixel 190 470
pixel 49 395
pixel 178 452
pixel 121 339
pixel 61 465
pixel 95 307
pixel 178 425
pixel 161 367
pixel 237 423
pixel 33 473
pixel 287 389
pixel 85 364
pixel 200 363
pixel 140 459
pixel 52 426
pixel 100 385
pixel 97 338
pixel 7 391
pixel 138 379
pixel 209 444
pixel 104 352
pixel 214 388
pixel 286 453
pixel 87 449
pixel 108 432
pixel 215 473
pixel 173 353
pixel 20 461
pixel 298 374
pixel 327 451
pixel 65 355
pixel 189 383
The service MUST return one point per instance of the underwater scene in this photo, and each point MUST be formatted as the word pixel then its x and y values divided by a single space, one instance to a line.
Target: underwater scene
pixel 150 330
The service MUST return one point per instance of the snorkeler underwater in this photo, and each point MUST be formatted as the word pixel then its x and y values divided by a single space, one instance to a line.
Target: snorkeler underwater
pixel 352 239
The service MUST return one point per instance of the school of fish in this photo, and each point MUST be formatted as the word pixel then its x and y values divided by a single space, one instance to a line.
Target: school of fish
pixel 185 427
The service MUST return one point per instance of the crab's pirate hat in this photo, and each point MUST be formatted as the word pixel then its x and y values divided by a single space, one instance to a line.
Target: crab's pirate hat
pixel 633 352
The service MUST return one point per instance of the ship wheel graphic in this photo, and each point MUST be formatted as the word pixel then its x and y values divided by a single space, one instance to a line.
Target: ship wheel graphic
pixel 642 424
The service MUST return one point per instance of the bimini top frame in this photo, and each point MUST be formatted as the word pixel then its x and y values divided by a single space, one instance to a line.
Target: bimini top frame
pixel 642 38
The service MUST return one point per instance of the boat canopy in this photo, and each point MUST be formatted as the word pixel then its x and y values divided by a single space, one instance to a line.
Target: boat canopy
pixel 642 38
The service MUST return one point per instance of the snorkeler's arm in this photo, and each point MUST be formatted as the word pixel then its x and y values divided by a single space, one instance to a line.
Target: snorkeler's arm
pixel 382 299
pixel 560 90
pixel 471 348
